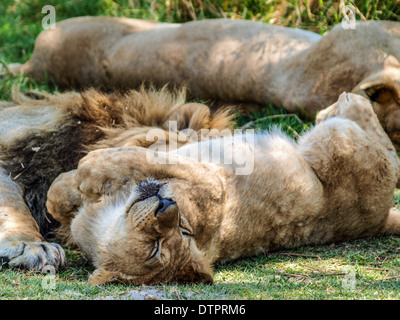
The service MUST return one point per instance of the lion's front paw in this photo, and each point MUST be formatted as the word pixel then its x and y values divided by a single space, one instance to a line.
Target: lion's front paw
pixel 102 172
pixel 32 255
pixel 63 198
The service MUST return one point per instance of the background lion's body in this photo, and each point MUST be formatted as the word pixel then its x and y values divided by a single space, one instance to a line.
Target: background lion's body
pixel 232 61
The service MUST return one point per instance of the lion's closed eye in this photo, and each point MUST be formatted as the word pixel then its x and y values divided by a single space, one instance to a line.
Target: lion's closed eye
pixel 185 228
pixel 186 233
pixel 155 251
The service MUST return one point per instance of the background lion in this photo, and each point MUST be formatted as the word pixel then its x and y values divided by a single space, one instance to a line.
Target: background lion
pixel 229 60
pixel 174 221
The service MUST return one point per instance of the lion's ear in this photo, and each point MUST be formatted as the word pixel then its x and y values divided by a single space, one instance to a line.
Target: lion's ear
pixel 381 92
pixel 198 270
pixel 101 276
pixel 195 273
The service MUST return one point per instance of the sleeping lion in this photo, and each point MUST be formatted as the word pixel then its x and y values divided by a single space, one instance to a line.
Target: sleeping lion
pixel 229 60
pixel 144 216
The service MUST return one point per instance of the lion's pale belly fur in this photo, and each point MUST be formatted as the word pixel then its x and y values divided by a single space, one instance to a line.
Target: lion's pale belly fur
pixel 288 197
pixel 282 185
pixel 285 189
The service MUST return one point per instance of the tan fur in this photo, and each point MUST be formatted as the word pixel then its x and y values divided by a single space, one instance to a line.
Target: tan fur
pixel 230 60
pixel 43 135
pixel 335 184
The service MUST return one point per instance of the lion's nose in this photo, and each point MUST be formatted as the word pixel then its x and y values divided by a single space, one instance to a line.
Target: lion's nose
pixel 164 204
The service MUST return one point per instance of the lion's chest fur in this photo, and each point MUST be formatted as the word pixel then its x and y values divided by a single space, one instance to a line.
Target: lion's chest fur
pixel 96 225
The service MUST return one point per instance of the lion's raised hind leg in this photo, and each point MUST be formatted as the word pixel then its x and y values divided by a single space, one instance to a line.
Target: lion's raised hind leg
pixel 354 157
pixel 64 198
pixel 358 109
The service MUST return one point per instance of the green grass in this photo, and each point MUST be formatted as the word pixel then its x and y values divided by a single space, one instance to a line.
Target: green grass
pixel 305 273
pixel 318 272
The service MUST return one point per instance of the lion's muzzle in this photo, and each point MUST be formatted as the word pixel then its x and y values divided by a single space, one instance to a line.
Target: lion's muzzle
pixel 164 204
